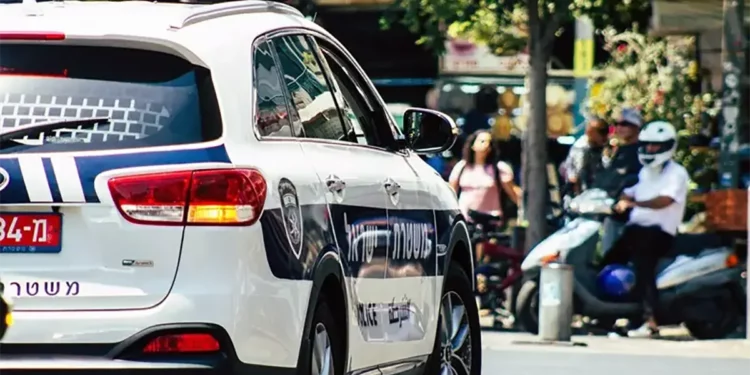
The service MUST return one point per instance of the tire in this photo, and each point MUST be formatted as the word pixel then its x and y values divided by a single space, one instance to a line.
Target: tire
pixel 323 324
pixel 457 289
pixel 527 307
pixel 724 321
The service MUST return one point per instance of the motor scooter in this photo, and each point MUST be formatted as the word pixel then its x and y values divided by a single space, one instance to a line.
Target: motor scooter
pixel 699 282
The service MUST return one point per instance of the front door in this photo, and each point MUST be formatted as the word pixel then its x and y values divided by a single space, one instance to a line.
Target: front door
pixel 405 296
pixel 352 186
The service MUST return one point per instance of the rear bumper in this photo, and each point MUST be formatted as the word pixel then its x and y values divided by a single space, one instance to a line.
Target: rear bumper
pixel 30 365
pixel 126 357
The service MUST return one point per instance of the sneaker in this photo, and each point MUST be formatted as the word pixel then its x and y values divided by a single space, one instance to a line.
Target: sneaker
pixel 644 331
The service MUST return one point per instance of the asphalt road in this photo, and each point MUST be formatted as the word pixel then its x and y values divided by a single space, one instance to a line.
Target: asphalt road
pixel 511 353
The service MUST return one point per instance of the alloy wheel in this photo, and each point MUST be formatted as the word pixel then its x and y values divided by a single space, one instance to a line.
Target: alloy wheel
pixel 455 336
pixel 322 352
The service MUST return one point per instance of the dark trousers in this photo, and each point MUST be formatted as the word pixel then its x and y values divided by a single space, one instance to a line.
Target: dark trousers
pixel 644 246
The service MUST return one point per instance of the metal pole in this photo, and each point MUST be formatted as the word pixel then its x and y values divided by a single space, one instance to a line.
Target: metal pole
pixel 556 302
pixel 583 63
pixel 734 109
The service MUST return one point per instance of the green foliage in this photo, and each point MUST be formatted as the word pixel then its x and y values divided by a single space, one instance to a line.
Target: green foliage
pixel 503 24
pixel 656 75
pixel 508 26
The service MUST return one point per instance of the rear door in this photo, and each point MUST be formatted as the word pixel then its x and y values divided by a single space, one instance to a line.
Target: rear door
pixel 63 243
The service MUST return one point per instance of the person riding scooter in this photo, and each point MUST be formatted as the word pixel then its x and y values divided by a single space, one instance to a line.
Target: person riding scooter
pixel 657 204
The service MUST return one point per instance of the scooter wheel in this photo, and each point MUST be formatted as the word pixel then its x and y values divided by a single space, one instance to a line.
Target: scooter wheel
pixel 527 307
pixel 723 320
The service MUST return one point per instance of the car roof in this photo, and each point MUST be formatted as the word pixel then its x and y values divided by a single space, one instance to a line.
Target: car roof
pixel 196 31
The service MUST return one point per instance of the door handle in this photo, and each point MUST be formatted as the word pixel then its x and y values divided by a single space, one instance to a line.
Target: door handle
pixel 391 187
pixel 335 184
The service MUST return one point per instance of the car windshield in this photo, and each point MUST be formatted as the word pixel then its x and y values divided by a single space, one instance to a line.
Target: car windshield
pixel 150 98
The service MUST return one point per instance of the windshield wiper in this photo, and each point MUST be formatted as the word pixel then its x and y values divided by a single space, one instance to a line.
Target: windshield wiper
pixel 42 127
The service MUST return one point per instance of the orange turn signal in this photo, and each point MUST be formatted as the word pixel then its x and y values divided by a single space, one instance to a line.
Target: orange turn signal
pixel 550 258
pixel 732 261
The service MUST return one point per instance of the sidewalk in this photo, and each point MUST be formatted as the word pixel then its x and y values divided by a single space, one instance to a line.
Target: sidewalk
pixel 674 341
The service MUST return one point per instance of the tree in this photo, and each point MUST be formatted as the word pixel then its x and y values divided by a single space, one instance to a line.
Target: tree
pixel 507 26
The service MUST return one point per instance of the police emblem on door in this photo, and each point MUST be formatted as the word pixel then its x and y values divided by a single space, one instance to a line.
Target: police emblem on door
pixel 291 215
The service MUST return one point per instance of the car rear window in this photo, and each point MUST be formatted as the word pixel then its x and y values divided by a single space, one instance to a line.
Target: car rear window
pixel 150 98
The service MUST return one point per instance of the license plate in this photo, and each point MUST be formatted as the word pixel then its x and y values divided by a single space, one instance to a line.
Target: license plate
pixel 30 233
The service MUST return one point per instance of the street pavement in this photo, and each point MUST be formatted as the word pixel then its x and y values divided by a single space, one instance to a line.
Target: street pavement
pixel 519 353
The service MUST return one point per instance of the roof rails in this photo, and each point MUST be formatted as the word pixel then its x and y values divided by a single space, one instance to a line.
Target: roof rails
pixel 208 12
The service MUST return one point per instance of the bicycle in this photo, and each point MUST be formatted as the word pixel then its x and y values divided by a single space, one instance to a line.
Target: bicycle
pixel 502 269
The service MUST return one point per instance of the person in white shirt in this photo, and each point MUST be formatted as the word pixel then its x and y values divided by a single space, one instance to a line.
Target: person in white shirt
pixel 657 204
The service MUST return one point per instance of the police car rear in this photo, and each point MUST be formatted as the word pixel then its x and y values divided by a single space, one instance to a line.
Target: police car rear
pixel 90 222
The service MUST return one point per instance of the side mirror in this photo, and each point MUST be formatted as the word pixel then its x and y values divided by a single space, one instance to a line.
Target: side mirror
pixel 428 131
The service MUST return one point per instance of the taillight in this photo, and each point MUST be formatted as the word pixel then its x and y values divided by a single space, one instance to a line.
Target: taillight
pixel 28 35
pixel 205 197
pixel 183 343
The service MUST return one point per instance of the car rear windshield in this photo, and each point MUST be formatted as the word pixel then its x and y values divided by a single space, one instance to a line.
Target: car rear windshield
pixel 145 98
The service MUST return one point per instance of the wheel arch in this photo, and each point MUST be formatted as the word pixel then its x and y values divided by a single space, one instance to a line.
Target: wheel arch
pixel 460 250
pixel 327 281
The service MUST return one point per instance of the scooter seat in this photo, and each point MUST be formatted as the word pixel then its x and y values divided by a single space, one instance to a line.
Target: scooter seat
pixel 689 245
pixel 663 264
pixel 693 244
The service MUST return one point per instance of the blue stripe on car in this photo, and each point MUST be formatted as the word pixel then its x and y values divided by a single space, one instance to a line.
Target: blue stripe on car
pixel 89 167
pixel 52 181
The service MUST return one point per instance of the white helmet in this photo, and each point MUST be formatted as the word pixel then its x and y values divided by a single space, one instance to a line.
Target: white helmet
pixel 658 141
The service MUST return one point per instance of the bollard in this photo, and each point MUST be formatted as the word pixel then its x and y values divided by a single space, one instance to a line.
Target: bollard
pixel 556 302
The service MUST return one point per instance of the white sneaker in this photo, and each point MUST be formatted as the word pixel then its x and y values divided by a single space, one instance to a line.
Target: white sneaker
pixel 643 331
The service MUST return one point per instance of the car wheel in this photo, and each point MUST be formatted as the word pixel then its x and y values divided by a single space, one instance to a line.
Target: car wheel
pixel 327 356
pixel 458 343
pixel 527 307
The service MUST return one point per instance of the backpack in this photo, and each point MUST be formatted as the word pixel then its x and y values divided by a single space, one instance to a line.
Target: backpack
pixel 510 209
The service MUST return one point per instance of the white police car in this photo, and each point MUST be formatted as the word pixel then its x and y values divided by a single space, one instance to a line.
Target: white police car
pixel 218 189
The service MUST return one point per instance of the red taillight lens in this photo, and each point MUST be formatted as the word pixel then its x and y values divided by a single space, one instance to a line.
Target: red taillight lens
pixel 207 197
pixel 183 343
pixel 26 35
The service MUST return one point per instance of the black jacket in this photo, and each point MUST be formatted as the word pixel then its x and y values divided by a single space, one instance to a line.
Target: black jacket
pixel 621 172
pixel 592 166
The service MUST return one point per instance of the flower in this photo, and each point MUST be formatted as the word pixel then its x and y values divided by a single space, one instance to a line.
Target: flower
pixel 655 75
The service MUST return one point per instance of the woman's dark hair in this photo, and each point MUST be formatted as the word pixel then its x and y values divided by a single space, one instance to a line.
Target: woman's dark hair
pixel 468 152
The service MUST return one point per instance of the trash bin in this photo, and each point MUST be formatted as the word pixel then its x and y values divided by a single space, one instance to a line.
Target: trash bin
pixel 556 302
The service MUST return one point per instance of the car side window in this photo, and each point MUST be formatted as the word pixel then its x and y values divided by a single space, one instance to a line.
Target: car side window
pixel 273 117
pixel 310 93
pixel 353 109
pixel 374 124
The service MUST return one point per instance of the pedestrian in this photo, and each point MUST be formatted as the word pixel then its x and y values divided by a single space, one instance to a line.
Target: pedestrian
pixel 585 160
pixel 482 182
pixel 657 206
pixel 620 170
